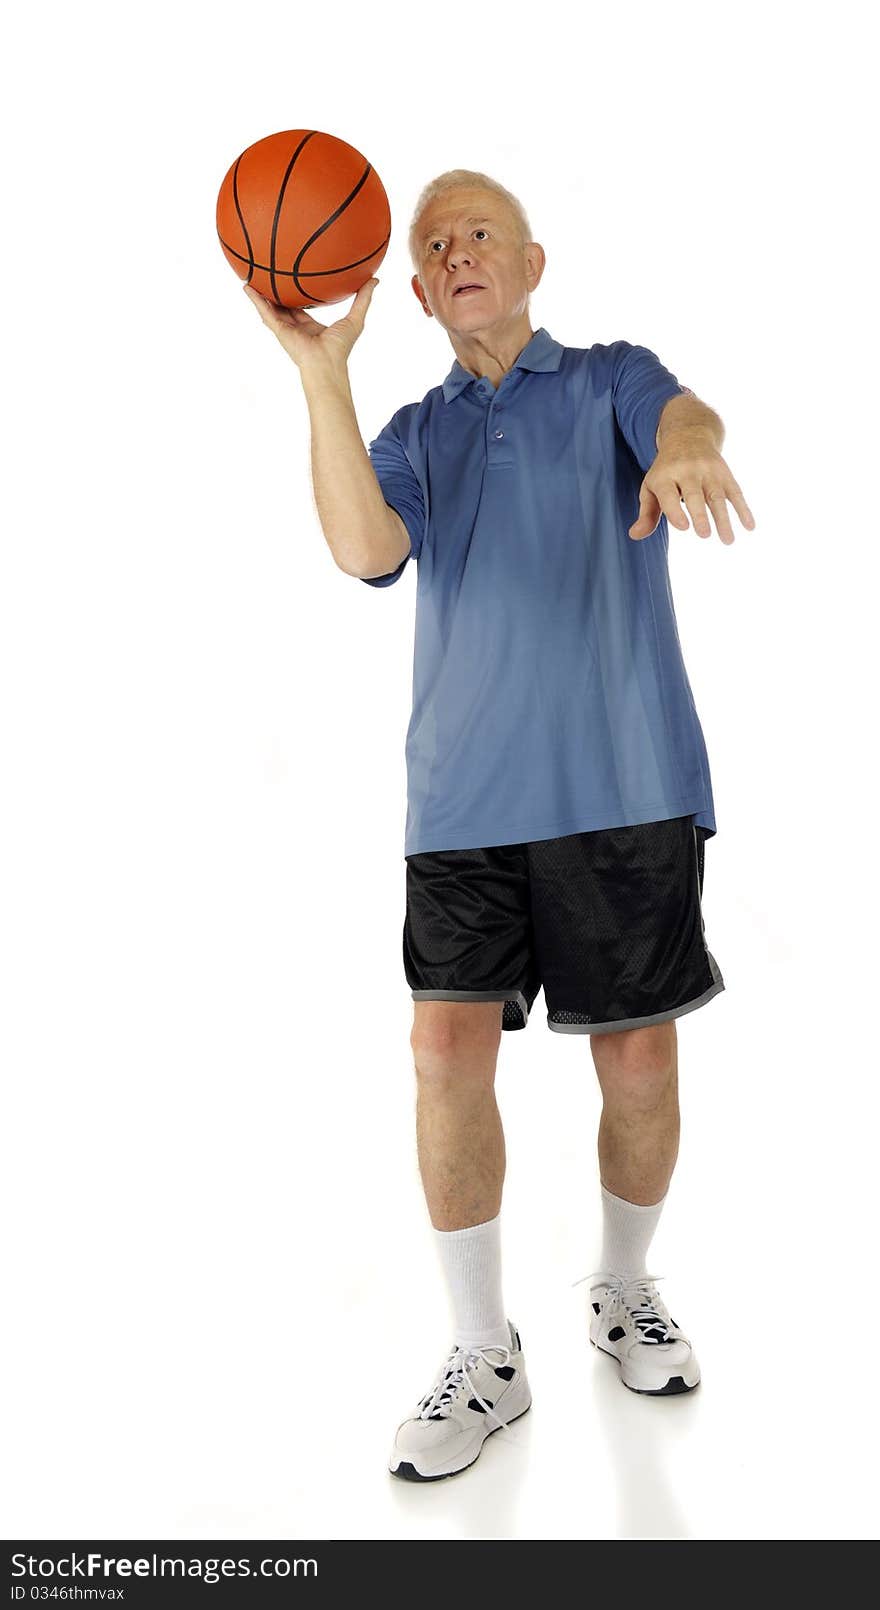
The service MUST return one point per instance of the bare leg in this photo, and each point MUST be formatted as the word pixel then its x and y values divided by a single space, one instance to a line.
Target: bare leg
pixel 458 1126
pixel 640 1124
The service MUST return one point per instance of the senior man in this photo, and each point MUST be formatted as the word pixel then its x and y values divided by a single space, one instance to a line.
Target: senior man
pixel 559 794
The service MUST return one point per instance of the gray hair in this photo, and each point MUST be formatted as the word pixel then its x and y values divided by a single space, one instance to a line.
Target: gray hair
pixel 459 179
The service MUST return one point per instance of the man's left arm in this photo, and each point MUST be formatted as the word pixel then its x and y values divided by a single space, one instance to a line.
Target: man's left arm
pixel 689 469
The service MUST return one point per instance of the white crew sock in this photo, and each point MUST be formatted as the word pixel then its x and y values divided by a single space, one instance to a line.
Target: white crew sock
pixel 627 1232
pixel 471 1260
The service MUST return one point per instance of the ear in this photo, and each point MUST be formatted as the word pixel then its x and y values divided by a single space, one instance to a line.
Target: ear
pixel 416 284
pixel 535 263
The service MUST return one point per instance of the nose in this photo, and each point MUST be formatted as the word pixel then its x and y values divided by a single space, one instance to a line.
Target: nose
pixel 459 257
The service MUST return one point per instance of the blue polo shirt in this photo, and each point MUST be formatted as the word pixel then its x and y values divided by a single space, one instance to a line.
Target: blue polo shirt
pixel 549 691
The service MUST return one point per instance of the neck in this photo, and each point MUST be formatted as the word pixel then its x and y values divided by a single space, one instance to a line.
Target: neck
pixel 495 349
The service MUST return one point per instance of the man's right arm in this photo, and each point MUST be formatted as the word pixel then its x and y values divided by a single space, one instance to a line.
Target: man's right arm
pixel 364 534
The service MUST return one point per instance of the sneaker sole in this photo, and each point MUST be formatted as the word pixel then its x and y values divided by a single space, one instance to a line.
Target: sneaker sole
pixel 674 1385
pixel 407 1471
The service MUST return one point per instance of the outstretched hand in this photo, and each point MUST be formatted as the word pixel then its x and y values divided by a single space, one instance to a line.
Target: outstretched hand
pixel 696 475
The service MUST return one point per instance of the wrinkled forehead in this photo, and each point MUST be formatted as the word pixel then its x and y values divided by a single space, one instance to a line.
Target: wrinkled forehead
pixel 457 207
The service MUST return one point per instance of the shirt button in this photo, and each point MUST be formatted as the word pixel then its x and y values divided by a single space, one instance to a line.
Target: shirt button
pixel 499 434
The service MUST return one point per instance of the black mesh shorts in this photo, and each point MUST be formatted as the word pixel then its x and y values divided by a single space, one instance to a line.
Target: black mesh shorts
pixel 609 923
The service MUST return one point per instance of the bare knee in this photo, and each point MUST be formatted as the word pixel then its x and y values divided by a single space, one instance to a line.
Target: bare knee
pixel 637 1068
pixel 455 1042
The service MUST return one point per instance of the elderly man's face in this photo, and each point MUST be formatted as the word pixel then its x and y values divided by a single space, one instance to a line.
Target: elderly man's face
pixel 469 235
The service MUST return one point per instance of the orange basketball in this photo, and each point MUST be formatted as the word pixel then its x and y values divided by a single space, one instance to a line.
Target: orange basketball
pixel 304 218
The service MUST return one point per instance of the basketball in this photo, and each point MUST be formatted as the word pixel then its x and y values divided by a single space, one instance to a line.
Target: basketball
pixel 303 217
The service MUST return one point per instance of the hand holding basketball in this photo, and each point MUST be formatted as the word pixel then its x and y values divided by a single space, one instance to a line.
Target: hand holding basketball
pixel 305 339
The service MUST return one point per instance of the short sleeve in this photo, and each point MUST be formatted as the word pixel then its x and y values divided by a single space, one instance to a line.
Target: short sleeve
pixel 640 385
pixel 401 489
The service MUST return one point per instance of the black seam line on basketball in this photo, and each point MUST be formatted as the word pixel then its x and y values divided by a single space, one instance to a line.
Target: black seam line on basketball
pixel 250 257
pixel 290 167
pixel 304 274
pixel 318 232
pixel 331 220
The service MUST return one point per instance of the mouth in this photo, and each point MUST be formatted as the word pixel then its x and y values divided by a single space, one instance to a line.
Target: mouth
pixel 462 290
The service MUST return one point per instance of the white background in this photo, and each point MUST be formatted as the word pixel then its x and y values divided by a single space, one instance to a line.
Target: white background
pixel 221 1285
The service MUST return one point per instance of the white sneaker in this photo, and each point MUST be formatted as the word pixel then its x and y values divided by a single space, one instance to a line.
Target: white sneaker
pixel 478 1391
pixel 630 1321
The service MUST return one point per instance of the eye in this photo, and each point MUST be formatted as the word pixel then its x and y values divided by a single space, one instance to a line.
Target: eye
pixel 478 231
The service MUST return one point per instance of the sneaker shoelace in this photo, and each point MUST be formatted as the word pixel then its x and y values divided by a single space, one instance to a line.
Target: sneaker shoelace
pixel 455 1371
pixel 637 1297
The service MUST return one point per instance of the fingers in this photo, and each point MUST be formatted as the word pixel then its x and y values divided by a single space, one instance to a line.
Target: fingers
pixel 718 505
pixel 649 514
pixel 669 503
pixel 279 319
pixel 716 497
pixel 701 495
pixel 734 492
pixel 363 299
pixel 692 497
pixel 261 303
pixel 273 310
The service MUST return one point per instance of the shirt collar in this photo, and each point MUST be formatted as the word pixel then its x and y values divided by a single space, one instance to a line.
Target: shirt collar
pixel 542 353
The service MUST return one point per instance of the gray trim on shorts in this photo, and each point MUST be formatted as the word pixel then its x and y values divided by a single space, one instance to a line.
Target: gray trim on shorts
pixel 474 995
pixel 643 1022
